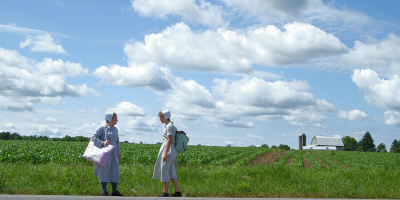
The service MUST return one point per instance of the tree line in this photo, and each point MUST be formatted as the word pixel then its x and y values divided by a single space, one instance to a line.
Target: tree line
pixel 366 144
pixel 16 136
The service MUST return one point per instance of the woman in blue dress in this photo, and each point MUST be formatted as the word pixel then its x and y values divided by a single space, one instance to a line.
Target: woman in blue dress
pixel 110 172
pixel 165 167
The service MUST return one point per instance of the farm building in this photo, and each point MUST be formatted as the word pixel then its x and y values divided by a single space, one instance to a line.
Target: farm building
pixel 326 143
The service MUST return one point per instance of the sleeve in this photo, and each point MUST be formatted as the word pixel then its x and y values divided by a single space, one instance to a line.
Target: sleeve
pixel 170 130
pixel 97 137
pixel 118 145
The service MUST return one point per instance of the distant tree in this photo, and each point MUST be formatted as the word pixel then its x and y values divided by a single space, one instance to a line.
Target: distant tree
pixel 395 148
pixel 274 147
pixel 367 143
pixel 265 145
pixel 4 135
pixel 15 136
pixel 284 147
pixel 67 138
pixel 381 148
pixel 350 143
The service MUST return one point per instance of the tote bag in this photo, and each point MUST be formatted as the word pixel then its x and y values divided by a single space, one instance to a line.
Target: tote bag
pixel 98 155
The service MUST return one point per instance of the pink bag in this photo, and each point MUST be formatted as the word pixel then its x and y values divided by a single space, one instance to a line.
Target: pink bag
pixel 97 155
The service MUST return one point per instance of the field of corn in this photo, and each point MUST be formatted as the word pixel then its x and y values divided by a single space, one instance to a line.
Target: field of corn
pixel 56 167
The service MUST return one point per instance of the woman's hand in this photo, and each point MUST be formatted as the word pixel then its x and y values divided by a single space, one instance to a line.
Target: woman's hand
pixel 119 157
pixel 105 143
pixel 165 157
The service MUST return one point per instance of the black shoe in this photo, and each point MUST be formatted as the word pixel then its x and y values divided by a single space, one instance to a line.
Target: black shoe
pixel 177 194
pixel 116 194
pixel 164 195
pixel 104 194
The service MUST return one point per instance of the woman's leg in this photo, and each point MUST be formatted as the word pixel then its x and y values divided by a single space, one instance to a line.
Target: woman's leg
pixel 166 187
pixel 104 188
pixel 176 185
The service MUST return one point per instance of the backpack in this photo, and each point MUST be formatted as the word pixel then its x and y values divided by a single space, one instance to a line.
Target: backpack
pixel 181 141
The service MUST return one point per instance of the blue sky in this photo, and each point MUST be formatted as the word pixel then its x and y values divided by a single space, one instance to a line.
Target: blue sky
pixel 231 72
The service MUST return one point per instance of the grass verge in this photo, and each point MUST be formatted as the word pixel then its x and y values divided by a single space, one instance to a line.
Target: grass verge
pixel 272 181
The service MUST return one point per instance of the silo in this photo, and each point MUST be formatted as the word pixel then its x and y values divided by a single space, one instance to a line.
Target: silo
pixel 302 141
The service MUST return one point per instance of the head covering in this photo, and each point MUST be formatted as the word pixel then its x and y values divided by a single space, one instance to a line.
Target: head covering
pixel 108 117
pixel 166 113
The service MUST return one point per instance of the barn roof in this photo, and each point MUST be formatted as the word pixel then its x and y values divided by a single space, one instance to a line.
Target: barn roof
pixel 327 141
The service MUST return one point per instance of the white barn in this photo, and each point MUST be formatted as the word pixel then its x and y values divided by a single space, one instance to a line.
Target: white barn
pixel 326 143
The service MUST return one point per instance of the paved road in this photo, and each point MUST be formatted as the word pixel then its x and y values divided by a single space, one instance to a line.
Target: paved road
pixel 64 197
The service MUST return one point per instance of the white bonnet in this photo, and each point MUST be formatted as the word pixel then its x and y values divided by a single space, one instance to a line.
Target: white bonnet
pixel 166 113
pixel 108 116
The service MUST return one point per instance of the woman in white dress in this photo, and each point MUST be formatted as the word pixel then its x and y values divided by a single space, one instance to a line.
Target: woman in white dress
pixel 110 172
pixel 165 167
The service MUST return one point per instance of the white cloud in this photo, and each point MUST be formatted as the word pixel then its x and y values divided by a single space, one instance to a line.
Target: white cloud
pixel 21 30
pixel 51 119
pixel 201 11
pixel 127 108
pixel 42 43
pixel 24 85
pixel 392 117
pixel 253 136
pixel 352 114
pixel 58 67
pixel 147 75
pixel 237 103
pixel 384 93
pixel 229 51
pixel 378 55
pixel 228 142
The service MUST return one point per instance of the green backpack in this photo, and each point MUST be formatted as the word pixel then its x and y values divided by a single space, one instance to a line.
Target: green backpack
pixel 181 141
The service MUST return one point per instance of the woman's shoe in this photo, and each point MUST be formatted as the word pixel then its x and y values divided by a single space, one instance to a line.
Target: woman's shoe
pixel 164 195
pixel 177 194
pixel 116 194
pixel 104 194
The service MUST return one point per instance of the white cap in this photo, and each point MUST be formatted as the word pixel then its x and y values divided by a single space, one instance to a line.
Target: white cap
pixel 108 116
pixel 166 113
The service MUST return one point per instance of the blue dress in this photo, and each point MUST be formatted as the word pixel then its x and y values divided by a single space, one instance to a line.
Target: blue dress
pixel 110 172
pixel 165 171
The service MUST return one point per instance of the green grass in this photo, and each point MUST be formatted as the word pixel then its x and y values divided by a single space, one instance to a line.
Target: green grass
pixel 206 181
pixel 55 168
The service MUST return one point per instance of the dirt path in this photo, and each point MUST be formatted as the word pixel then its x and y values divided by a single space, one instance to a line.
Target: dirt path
pixel 268 158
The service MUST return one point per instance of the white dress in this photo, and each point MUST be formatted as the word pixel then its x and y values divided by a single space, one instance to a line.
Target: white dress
pixel 165 171
pixel 110 172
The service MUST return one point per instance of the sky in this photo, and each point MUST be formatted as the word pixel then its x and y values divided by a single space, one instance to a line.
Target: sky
pixel 231 72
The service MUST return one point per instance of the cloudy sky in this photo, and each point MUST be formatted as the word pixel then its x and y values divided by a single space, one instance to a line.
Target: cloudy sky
pixel 231 71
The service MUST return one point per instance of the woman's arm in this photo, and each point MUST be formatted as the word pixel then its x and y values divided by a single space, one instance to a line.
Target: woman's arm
pixel 168 147
pixel 96 137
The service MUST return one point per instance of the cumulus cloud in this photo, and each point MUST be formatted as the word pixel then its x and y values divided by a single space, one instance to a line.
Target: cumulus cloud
pixel 229 51
pixel 237 103
pixel 148 75
pixel 201 11
pixel 59 67
pixel 42 43
pixel 127 108
pixel 352 114
pixel 27 82
pixel 384 93
pixel 378 55
pixel 392 117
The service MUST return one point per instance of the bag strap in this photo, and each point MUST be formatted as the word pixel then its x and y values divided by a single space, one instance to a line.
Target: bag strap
pixel 105 131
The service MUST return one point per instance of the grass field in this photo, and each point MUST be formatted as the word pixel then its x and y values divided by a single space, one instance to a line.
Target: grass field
pixel 35 167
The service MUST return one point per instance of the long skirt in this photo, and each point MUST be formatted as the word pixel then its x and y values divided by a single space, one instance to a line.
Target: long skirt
pixel 110 172
pixel 165 171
